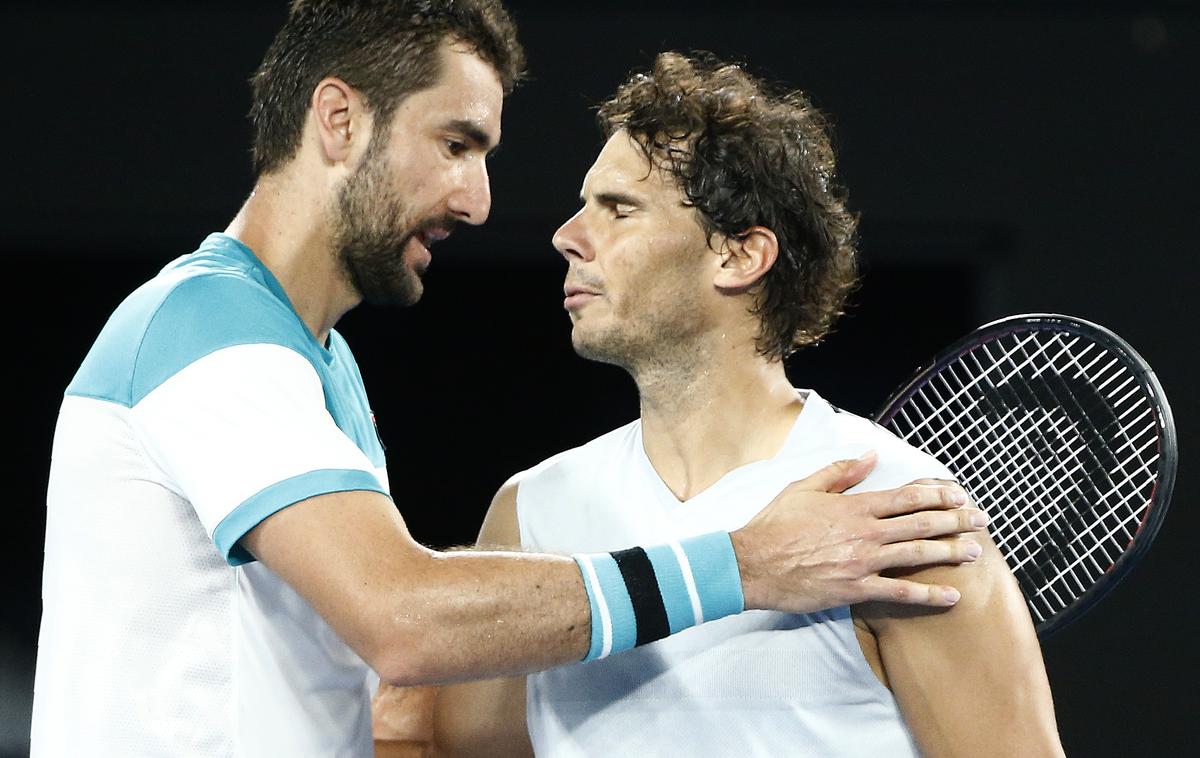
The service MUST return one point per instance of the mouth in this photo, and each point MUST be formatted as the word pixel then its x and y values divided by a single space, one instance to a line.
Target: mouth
pixel 425 238
pixel 432 235
pixel 577 296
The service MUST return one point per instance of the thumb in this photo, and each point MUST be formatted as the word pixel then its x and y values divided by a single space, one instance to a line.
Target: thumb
pixel 840 475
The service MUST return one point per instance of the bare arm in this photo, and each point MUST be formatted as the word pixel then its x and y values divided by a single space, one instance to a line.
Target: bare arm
pixel 969 679
pixel 418 616
pixel 415 615
pixel 482 718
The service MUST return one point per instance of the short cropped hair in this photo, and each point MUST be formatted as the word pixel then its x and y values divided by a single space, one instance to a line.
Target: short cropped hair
pixel 745 154
pixel 385 49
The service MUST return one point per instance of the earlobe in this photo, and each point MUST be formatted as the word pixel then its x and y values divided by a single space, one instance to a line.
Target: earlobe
pixel 337 111
pixel 746 259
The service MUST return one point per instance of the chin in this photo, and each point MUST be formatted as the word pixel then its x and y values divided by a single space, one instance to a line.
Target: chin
pixel 595 347
pixel 398 292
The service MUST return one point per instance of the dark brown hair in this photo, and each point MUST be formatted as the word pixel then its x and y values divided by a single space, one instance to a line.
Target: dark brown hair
pixel 746 154
pixel 385 49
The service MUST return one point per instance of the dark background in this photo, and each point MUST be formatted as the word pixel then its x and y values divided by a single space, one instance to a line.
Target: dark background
pixel 1006 157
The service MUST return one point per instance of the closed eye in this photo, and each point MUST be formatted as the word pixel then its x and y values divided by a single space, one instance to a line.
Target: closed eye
pixel 620 204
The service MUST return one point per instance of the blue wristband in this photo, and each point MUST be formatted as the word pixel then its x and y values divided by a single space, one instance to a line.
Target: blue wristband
pixel 641 595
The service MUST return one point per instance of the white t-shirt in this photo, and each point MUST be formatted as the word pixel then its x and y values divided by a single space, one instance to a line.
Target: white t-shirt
pixel 204 406
pixel 756 684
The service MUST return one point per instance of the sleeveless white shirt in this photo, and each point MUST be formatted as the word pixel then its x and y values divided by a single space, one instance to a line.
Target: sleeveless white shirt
pixel 756 684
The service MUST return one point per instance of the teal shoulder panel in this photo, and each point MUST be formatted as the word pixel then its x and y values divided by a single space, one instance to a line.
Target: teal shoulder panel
pixel 346 400
pixel 206 314
pixel 190 310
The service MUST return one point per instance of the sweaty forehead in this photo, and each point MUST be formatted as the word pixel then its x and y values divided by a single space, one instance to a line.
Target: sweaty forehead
pixel 467 93
pixel 623 166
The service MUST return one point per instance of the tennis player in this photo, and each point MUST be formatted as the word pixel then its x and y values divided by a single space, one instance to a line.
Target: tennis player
pixel 712 242
pixel 225 561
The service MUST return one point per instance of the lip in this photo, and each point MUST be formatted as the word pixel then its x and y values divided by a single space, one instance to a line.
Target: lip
pixel 577 296
pixel 423 257
pixel 435 234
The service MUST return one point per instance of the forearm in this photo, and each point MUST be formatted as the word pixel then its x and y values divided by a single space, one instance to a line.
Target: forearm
pixel 470 615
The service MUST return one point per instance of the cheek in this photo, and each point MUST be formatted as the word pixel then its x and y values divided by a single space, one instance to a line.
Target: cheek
pixel 414 178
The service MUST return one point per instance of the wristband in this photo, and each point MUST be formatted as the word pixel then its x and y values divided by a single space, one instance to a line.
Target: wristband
pixel 641 595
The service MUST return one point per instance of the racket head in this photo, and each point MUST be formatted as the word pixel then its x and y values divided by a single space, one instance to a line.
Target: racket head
pixel 1089 432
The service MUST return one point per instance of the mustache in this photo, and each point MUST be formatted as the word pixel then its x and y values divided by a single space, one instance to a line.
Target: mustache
pixel 582 281
pixel 446 223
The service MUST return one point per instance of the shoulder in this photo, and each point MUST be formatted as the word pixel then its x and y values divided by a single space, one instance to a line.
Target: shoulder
pixel 194 307
pixel 589 458
pixel 899 462
pixel 540 493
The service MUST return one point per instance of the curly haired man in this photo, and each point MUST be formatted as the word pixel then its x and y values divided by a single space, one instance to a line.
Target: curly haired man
pixel 712 242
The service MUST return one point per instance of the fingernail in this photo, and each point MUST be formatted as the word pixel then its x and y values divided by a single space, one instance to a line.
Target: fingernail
pixel 974 550
pixel 866 455
pixel 979 518
pixel 952 595
pixel 958 497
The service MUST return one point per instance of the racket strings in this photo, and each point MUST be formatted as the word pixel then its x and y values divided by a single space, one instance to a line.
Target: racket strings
pixel 1056 438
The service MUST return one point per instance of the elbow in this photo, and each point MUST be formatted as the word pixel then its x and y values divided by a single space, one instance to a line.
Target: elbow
pixel 407 655
pixel 403 627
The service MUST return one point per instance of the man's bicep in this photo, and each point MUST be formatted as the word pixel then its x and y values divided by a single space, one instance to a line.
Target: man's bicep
pixel 501 529
pixel 347 554
pixel 969 679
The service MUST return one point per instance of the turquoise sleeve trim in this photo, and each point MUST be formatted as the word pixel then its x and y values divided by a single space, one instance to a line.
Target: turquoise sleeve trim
pixel 279 496
pixel 620 607
pixel 672 588
pixel 715 569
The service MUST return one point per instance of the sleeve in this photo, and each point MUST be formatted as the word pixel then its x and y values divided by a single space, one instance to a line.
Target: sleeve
pixel 232 411
pixel 243 432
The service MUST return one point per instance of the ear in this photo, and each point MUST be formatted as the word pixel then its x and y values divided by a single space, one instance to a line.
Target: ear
pixel 340 118
pixel 746 259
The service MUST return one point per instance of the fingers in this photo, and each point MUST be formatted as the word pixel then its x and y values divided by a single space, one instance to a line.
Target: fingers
pixel 881 588
pixel 839 475
pixel 927 552
pixel 928 524
pixel 914 497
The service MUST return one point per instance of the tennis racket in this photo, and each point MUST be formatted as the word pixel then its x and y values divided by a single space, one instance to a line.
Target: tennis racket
pixel 1062 434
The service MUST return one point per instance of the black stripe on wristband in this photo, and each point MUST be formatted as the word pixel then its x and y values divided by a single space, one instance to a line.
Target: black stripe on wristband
pixel 642 585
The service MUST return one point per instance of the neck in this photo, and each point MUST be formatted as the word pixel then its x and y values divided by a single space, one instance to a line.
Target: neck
pixel 285 225
pixel 712 411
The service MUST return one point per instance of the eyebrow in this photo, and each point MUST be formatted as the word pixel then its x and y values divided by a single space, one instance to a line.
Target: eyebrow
pixel 474 133
pixel 616 198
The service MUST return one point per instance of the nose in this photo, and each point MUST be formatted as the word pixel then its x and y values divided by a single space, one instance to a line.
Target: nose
pixel 472 200
pixel 571 239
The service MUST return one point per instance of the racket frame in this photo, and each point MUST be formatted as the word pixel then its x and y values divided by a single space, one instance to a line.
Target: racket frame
pixel 1164 421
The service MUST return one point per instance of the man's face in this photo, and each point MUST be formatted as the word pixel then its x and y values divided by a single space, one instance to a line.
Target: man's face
pixel 639 265
pixel 420 175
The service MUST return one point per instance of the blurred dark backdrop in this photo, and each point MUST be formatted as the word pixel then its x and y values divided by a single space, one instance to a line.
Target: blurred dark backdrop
pixel 1006 157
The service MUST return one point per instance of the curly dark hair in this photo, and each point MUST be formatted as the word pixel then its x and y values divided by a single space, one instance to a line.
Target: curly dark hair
pixel 385 49
pixel 744 154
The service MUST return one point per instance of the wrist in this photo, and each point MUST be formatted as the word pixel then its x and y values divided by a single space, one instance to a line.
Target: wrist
pixel 745 563
pixel 638 596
